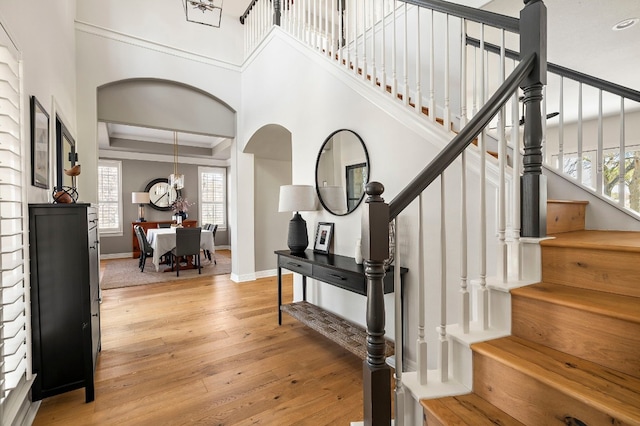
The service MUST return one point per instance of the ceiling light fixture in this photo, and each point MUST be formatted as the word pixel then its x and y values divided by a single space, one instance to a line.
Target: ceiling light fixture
pixel 205 12
pixel 176 180
pixel 624 24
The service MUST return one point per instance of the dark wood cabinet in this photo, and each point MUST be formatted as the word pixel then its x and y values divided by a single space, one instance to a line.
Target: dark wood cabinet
pixel 147 225
pixel 65 297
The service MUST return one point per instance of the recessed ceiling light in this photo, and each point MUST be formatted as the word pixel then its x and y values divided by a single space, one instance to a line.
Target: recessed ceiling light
pixel 625 23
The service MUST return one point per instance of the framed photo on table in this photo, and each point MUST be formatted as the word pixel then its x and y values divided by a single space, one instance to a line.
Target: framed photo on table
pixel 324 233
pixel 39 145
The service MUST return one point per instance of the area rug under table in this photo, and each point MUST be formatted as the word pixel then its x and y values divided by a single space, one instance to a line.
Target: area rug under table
pixel 125 272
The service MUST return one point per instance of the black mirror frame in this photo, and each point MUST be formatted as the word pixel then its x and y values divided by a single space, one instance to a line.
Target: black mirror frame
pixel 63 135
pixel 150 185
pixel 367 162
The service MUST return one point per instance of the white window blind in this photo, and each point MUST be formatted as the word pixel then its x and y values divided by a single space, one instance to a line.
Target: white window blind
pixel 13 298
pixel 213 196
pixel 109 196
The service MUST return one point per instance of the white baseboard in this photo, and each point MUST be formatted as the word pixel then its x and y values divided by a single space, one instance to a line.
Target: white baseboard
pixel 117 256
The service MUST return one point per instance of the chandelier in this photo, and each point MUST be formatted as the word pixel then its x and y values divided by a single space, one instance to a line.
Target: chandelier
pixel 176 180
pixel 205 12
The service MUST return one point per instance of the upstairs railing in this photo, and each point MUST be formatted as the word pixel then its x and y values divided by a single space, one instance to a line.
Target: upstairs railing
pixel 398 47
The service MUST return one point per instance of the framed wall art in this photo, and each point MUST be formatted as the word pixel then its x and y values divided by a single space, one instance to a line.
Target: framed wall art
pixel 324 233
pixel 39 145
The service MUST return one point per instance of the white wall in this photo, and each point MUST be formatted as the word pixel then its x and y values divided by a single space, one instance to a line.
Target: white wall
pixel 313 100
pixel 164 22
pixel 43 31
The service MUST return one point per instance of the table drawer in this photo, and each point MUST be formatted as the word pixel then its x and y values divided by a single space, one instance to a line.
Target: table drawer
pixel 294 265
pixel 348 281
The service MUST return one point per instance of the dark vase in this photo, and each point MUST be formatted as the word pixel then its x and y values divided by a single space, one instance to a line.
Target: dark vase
pixel 183 214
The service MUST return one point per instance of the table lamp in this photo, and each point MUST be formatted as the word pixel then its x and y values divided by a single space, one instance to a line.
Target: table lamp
pixel 140 198
pixel 297 198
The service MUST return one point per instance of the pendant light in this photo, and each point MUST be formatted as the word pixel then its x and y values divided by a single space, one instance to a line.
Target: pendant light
pixel 176 180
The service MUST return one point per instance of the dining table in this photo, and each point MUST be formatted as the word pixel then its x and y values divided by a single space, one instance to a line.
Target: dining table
pixel 163 240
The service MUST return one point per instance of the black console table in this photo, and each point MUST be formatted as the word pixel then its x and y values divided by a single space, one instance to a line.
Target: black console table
pixel 334 269
pixel 339 271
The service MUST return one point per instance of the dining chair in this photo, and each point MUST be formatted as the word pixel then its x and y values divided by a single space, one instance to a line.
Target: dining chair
pixel 187 244
pixel 213 228
pixel 145 248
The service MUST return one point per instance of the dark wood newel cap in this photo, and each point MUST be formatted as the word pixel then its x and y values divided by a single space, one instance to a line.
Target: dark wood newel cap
pixel 374 189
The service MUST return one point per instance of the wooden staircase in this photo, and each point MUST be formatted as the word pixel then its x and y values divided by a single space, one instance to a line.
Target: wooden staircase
pixel 574 354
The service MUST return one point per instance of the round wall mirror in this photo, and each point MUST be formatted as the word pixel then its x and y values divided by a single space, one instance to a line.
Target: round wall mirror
pixel 161 194
pixel 342 171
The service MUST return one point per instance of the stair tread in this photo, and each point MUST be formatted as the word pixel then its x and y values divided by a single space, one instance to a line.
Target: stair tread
pixel 613 305
pixel 605 389
pixel 469 409
pixel 628 241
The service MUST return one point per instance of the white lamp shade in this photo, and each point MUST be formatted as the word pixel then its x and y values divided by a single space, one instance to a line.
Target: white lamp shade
pixel 140 198
pixel 334 198
pixel 296 198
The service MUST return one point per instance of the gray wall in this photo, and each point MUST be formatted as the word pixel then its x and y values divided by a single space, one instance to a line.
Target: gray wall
pixel 270 235
pixel 136 175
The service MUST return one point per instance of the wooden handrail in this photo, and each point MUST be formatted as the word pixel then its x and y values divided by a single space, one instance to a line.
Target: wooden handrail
pixel 505 22
pixel 462 140
pixel 580 77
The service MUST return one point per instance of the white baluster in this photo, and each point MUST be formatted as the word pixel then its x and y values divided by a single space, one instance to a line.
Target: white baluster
pixel 374 74
pixel 405 96
pixel 446 112
pixel 443 348
pixel 332 44
pixel 394 59
pixel 464 291
pixel 356 60
pixel 421 344
pixel 365 69
pixel 474 98
pixel 432 70
pixel 580 162
pixel 622 156
pixel 418 94
pixel 383 51
pixel 599 153
pixel 502 155
pixel 483 293
pixel 399 348
pixel 463 74
pixel 561 128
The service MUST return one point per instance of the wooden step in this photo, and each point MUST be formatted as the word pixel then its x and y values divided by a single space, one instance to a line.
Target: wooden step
pixel 467 409
pixel 596 260
pixel 565 216
pixel 601 327
pixel 538 385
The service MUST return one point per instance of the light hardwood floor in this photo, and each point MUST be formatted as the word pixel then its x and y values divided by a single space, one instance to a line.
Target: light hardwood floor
pixel 209 351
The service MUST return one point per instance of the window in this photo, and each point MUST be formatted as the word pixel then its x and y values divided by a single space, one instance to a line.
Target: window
pixel 213 196
pixel 109 196
pixel 15 330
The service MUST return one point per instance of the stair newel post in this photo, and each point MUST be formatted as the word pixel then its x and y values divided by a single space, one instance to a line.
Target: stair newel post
pixel 375 249
pixel 533 39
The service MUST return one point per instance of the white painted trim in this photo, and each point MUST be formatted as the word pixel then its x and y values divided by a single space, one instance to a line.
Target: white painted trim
pixel 88 28
pixel 117 256
pixel 256 275
pixel 126 155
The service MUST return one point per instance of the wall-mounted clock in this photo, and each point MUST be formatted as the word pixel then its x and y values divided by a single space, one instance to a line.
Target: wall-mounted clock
pixel 161 194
